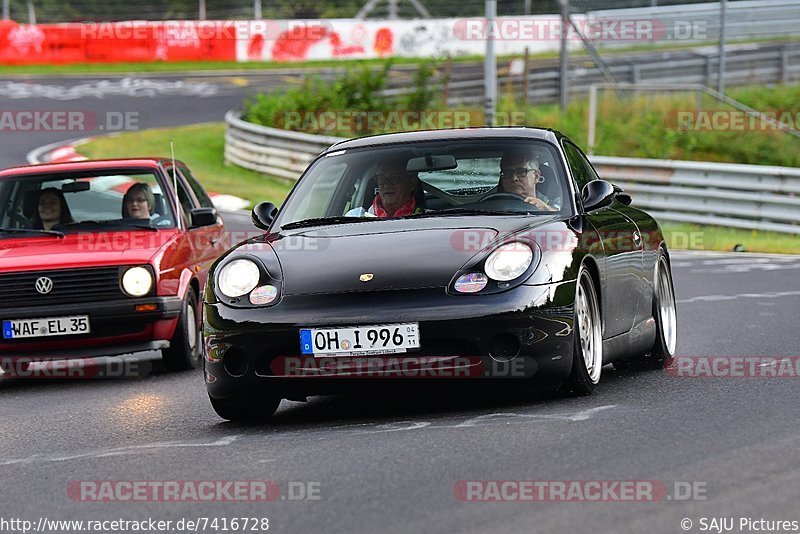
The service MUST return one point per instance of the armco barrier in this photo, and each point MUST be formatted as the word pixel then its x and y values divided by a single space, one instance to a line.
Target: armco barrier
pixel 739 196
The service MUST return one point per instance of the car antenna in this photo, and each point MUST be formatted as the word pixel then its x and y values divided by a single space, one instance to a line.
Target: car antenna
pixel 174 176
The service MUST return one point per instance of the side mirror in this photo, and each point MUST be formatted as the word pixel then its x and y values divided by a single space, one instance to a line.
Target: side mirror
pixel 203 217
pixel 263 215
pixel 597 194
pixel 621 195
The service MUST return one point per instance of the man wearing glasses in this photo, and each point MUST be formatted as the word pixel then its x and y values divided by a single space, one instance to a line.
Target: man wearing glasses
pixel 396 192
pixel 519 174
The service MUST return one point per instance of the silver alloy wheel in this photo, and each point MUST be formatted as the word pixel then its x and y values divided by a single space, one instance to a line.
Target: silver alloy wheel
pixel 191 329
pixel 589 332
pixel 666 308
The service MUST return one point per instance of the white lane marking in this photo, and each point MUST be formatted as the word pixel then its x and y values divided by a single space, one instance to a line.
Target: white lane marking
pixel 119 451
pixel 717 298
pixel 747 268
pixel 488 419
pixel 396 427
pixel 133 87
pixel 579 416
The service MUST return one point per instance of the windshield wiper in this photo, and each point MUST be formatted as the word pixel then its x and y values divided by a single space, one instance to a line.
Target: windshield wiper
pixel 113 224
pixel 322 221
pixel 462 211
pixel 31 231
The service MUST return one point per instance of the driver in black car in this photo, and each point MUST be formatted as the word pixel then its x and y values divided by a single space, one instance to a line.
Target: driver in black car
pixel 519 174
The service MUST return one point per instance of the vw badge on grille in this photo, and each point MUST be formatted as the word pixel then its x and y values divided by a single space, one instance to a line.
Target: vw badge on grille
pixel 44 285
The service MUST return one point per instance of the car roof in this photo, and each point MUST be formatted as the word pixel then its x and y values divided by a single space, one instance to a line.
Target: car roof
pixel 520 132
pixel 86 165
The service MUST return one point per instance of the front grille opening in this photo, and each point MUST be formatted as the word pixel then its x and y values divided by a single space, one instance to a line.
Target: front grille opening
pixel 504 347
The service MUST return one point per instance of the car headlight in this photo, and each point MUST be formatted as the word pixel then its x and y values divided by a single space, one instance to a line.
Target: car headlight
pixel 137 281
pixel 470 282
pixel 508 261
pixel 263 295
pixel 238 278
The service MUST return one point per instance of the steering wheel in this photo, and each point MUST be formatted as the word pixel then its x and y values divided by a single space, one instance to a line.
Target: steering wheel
pixel 503 195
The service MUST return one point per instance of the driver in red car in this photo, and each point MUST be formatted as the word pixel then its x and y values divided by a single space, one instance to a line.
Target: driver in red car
pixel 519 174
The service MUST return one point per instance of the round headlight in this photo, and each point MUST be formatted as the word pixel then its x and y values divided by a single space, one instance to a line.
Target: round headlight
pixel 238 278
pixel 471 282
pixel 263 295
pixel 137 281
pixel 509 261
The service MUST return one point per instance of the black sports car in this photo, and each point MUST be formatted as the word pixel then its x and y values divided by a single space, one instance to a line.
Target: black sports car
pixel 457 254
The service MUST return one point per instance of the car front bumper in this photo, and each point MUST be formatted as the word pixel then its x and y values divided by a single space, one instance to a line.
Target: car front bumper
pixel 523 333
pixel 116 328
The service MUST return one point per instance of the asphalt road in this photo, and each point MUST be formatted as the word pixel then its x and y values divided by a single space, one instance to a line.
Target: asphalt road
pixel 390 463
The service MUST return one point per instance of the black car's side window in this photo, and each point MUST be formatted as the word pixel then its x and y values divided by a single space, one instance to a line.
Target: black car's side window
pixel 580 168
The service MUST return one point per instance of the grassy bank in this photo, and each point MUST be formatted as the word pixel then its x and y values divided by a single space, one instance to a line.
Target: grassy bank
pixel 201 147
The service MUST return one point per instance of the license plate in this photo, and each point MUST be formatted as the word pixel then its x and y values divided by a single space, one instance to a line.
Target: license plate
pixel 53 326
pixel 360 340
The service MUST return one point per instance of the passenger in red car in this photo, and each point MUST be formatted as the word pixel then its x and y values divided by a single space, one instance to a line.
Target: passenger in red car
pixel 52 209
pixel 138 202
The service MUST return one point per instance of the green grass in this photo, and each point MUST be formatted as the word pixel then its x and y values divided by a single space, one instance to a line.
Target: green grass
pixel 201 147
pixel 701 237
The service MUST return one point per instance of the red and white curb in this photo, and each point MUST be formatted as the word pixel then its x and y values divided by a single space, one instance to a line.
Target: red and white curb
pixel 67 152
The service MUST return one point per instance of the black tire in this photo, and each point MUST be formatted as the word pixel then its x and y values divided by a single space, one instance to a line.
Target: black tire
pixel 588 342
pixel 186 346
pixel 665 315
pixel 245 410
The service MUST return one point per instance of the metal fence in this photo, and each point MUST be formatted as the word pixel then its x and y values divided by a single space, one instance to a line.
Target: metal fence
pixel 746 64
pixel 739 196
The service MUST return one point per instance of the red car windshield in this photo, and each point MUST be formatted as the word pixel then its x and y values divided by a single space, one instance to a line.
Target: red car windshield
pixel 86 202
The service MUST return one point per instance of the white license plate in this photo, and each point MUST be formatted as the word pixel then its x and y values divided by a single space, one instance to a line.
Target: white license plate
pixel 52 326
pixel 360 340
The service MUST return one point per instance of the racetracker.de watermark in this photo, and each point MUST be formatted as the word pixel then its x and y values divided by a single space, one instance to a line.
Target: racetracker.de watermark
pixel 73 368
pixel 579 490
pixel 735 367
pixel 188 31
pixel 732 120
pixel 349 122
pixel 192 490
pixel 398 366
pixel 603 29
pixel 67 120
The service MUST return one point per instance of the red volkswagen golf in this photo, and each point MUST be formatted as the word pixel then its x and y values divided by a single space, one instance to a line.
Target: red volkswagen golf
pixel 102 258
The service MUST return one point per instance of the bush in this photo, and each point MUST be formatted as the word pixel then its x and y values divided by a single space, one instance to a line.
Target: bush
pixel 359 89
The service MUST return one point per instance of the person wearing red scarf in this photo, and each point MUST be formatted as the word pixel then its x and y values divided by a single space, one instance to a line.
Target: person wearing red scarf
pixel 396 189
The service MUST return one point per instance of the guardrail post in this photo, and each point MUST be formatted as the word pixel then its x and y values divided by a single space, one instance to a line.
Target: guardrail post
pixel 635 73
pixel 709 71
pixel 784 66
pixel 526 77
pixel 592 116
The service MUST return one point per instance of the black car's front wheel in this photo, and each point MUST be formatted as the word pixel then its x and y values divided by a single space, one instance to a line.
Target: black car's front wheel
pixel 587 358
pixel 186 346
pixel 245 410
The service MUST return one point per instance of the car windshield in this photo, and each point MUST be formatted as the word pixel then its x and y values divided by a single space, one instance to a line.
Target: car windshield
pixel 430 179
pixel 83 201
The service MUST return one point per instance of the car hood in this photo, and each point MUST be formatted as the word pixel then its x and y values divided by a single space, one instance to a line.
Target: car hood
pixel 400 254
pixel 78 250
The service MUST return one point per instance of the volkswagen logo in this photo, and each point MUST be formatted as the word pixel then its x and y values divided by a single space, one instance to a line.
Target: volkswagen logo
pixel 44 285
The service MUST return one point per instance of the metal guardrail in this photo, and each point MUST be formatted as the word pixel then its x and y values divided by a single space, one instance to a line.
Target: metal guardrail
pixel 733 195
pixel 272 151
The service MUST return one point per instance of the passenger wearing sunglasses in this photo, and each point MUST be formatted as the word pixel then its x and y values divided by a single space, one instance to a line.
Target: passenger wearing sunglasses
pixel 519 174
